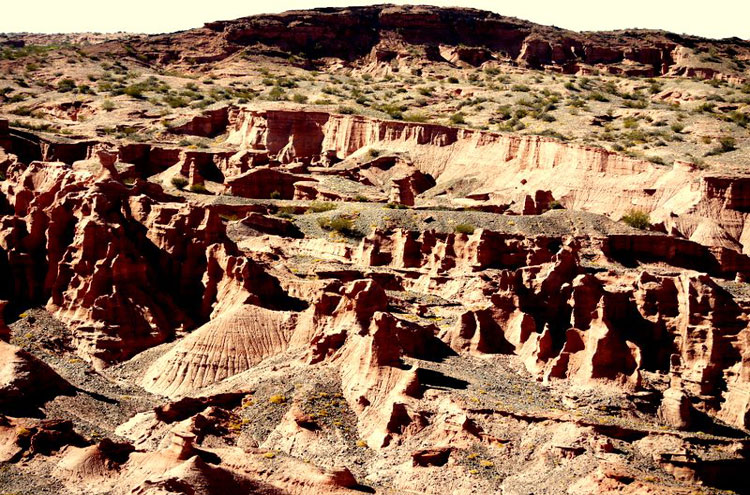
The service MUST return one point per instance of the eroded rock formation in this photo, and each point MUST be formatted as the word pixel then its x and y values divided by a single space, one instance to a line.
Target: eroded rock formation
pixel 502 169
pixel 274 298
pixel 113 261
pixel 25 381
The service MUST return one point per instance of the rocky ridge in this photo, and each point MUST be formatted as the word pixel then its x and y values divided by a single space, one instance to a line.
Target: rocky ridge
pixel 381 35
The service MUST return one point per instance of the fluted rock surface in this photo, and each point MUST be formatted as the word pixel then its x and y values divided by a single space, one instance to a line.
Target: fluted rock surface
pixel 229 344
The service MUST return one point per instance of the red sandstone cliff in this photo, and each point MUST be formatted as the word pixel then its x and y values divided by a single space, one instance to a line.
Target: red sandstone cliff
pixel 501 167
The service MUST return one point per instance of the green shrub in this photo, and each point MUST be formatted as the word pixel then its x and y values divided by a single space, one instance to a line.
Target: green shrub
pixel 22 111
pixel 66 85
pixel 286 211
pixel 597 96
pixel 464 228
pixel 134 91
pixel 637 219
pixel 453 80
pixel 199 189
pixel 638 104
pixel 18 97
pixel 108 106
pixel 175 101
pixel 655 87
pixel 556 205
pixel 320 207
pixel 415 117
pixel 396 112
pixel 277 93
pixel 275 195
pixel 299 98
pixel 329 90
pixel 341 224
pixel 677 127
pixel 657 160
pixel 179 182
pixel 739 118
pixel 458 118
pixel 697 162
pixel 553 134
pixel 504 112
pixel 630 123
pixel 396 206
pixel 726 144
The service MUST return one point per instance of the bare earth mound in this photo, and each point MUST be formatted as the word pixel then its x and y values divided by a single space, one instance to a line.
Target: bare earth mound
pixel 227 345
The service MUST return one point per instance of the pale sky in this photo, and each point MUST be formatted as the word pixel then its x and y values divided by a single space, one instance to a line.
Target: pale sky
pixel 715 19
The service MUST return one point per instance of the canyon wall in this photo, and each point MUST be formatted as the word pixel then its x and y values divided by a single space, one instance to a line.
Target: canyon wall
pixel 688 202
